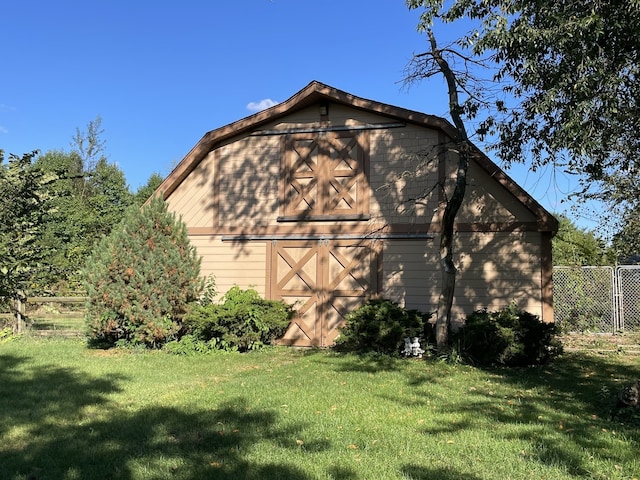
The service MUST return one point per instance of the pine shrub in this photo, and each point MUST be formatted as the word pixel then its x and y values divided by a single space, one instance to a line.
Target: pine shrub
pixel 242 321
pixel 380 326
pixel 509 337
pixel 141 278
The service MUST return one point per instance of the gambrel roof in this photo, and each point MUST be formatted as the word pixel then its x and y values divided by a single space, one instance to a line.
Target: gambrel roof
pixel 319 93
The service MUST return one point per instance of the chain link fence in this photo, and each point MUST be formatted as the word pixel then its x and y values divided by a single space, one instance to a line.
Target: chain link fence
pixel 628 283
pixel 597 299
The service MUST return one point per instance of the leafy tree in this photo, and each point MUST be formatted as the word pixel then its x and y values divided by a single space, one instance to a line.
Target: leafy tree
pixel 141 278
pixel 565 87
pixel 145 191
pixel 63 231
pixel 626 243
pixel 25 198
pixel 574 246
pixel 89 144
pixel 571 70
pixel 108 197
pixel 91 197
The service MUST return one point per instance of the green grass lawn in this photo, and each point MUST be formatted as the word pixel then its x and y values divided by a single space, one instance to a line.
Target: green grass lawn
pixel 68 412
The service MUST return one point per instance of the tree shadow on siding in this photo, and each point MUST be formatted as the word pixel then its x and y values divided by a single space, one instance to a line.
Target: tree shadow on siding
pixel 60 423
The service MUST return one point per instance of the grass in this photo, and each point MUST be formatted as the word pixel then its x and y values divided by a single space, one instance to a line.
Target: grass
pixel 73 413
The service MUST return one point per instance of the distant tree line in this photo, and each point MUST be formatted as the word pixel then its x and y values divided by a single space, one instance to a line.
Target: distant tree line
pixel 54 208
pixel 576 246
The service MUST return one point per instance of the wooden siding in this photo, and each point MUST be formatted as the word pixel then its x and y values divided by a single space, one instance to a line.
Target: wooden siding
pixel 248 182
pixel 245 184
pixel 193 199
pixel 486 202
pixel 404 170
pixel 495 269
pixel 232 263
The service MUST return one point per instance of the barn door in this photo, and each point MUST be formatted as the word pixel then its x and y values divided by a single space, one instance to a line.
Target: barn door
pixel 324 279
pixel 325 175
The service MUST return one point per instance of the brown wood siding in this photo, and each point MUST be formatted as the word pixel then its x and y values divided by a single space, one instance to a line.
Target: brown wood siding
pixel 410 273
pixel 546 267
pixel 404 170
pixel 232 263
pixel 193 199
pixel 249 170
pixel 495 269
pixel 486 201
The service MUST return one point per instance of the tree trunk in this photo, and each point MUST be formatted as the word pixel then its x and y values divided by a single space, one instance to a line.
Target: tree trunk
pixel 453 203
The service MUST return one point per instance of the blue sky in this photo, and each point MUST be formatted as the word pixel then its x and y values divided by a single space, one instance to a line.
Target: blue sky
pixel 162 73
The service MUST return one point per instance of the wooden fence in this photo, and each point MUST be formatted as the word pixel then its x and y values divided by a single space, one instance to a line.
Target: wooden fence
pixel 50 315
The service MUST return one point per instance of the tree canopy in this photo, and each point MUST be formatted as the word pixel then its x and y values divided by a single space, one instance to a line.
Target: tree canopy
pixel 54 209
pixel 571 70
pixel 25 202
pixel 575 246
pixel 564 91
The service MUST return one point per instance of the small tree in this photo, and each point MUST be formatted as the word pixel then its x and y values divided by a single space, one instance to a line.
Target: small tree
pixel 24 205
pixel 141 278
pixel 423 66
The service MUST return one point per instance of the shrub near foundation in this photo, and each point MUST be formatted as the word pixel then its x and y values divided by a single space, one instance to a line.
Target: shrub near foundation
pixel 242 321
pixel 509 337
pixel 380 326
pixel 141 279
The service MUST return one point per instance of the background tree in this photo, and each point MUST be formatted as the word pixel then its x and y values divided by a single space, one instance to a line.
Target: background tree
pixel 91 197
pixel 626 242
pixel 89 144
pixel 574 246
pixel 141 278
pixel 568 72
pixel 145 191
pixel 25 198
pixel 571 69
pixel 63 230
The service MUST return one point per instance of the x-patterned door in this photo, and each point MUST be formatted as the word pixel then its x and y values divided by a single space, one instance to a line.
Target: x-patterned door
pixel 324 279
pixel 325 174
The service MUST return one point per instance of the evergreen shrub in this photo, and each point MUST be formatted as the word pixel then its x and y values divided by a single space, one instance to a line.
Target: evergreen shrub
pixel 380 326
pixel 243 320
pixel 509 337
pixel 141 278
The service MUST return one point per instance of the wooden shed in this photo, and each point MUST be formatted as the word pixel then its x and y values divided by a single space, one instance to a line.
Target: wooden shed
pixel 327 199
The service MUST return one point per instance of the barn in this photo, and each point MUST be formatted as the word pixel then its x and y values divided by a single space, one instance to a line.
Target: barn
pixel 327 199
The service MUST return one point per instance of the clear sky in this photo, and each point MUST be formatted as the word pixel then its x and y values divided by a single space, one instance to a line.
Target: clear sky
pixel 162 73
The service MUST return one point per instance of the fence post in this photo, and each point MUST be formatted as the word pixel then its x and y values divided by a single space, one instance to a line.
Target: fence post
pixel 20 309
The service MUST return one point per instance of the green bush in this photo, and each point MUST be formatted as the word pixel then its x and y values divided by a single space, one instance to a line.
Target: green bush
pixel 380 326
pixel 243 320
pixel 140 279
pixel 509 337
pixel 191 345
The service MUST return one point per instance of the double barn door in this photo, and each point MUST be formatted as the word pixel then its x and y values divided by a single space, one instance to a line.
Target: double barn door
pixel 324 279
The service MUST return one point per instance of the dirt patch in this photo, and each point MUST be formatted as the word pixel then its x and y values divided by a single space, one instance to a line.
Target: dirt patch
pixel 628 343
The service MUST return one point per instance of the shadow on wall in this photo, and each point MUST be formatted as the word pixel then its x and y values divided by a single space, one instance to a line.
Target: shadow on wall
pixel 406 189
